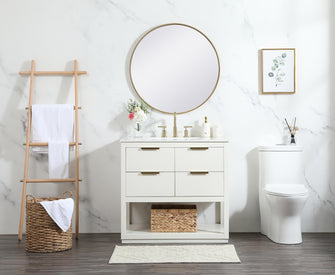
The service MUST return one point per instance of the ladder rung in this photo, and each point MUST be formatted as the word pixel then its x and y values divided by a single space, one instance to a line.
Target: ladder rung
pixel 52 72
pixel 74 107
pixel 51 180
pixel 46 143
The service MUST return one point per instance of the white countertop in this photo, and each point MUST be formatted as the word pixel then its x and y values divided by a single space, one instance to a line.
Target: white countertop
pixel 172 139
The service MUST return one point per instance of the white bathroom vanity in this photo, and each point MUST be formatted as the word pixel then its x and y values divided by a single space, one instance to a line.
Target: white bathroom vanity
pixel 174 171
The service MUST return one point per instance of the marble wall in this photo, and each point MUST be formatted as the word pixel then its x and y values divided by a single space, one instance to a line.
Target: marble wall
pixel 100 34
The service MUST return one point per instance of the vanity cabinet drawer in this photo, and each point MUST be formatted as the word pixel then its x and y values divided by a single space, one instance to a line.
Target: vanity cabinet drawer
pixel 199 159
pixel 199 184
pixel 146 184
pixel 149 159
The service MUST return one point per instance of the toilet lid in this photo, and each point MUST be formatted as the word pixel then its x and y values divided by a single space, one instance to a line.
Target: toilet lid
pixel 286 190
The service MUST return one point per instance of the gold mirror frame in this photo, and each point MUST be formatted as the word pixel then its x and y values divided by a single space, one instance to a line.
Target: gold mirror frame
pixel 169 24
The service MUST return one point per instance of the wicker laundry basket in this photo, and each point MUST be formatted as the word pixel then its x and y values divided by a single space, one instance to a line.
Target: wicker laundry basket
pixel 42 233
pixel 173 218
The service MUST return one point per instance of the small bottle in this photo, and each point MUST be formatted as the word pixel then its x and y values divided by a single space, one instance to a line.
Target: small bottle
pixel 206 130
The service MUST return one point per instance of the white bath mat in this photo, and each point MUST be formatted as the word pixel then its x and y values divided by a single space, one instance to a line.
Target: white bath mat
pixel 175 254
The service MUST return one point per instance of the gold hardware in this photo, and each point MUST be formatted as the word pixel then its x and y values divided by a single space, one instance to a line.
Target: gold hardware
pixel 149 173
pixel 199 173
pixel 186 131
pixel 149 148
pixel 199 148
pixel 174 125
pixel 163 131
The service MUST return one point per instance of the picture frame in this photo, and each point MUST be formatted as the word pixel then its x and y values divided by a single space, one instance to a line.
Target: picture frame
pixel 278 71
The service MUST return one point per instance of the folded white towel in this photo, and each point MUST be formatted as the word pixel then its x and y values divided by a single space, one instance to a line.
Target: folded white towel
pixel 53 123
pixel 60 211
pixel 58 159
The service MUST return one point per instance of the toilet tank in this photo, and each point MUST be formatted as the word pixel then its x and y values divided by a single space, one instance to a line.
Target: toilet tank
pixel 280 164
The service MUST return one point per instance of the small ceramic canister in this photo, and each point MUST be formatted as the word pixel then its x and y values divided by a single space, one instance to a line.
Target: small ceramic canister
pixel 216 131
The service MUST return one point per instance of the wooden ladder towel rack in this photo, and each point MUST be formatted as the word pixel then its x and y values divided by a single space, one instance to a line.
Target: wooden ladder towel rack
pixel 32 73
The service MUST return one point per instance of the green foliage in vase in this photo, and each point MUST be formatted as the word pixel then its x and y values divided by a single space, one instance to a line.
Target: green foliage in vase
pixel 276 69
pixel 132 104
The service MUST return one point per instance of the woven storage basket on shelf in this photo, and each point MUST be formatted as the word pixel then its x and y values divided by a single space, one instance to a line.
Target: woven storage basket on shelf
pixel 173 218
pixel 42 233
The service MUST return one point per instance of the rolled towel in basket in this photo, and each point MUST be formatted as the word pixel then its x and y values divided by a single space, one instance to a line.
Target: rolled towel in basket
pixel 60 211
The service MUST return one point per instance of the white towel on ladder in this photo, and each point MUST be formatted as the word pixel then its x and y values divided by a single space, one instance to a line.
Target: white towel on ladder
pixel 60 211
pixel 58 159
pixel 53 123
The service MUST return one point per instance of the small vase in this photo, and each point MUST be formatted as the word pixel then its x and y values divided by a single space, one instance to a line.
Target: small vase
pixel 138 132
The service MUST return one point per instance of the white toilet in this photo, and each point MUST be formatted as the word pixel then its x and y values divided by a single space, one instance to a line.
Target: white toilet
pixel 282 194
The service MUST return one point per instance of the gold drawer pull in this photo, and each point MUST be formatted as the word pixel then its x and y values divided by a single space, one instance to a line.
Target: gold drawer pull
pixel 199 148
pixel 149 173
pixel 149 148
pixel 199 173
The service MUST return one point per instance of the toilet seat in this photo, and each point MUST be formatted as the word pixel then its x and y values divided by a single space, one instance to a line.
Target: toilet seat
pixel 286 190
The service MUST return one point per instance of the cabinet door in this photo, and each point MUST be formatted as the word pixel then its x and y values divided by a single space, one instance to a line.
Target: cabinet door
pixel 149 159
pixel 199 184
pixel 147 184
pixel 199 159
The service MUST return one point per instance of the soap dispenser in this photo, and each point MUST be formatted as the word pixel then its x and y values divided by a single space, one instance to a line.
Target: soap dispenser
pixel 206 130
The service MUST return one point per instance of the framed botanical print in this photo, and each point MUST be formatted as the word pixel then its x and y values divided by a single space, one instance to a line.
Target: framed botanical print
pixel 278 71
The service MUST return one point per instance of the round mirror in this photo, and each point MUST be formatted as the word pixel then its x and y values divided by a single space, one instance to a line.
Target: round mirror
pixel 174 68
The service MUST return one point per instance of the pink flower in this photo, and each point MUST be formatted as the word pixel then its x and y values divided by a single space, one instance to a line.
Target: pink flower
pixel 131 115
